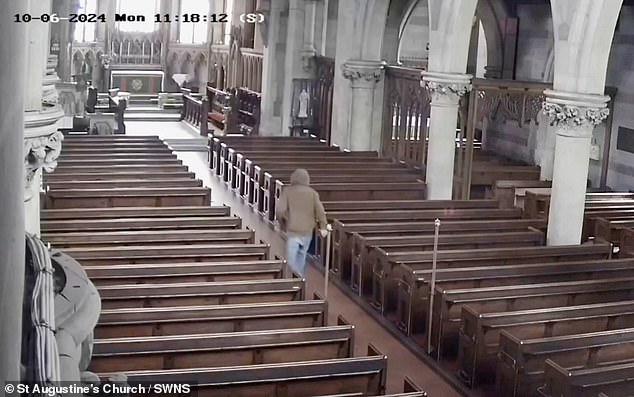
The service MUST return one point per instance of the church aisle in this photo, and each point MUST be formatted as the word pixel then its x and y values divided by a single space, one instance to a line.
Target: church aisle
pixel 401 362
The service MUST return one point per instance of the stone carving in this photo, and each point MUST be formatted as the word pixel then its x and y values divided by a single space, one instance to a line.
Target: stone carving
pixel 41 152
pixel 569 116
pixel 436 88
pixel 364 74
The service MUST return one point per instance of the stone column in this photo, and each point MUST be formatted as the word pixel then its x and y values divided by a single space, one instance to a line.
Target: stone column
pixel 63 37
pixel 363 132
pixel 574 116
pixel 43 117
pixel 274 38
pixel 445 90
pixel 13 43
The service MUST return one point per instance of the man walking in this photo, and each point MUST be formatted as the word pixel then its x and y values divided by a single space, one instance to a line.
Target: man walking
pixel 299 212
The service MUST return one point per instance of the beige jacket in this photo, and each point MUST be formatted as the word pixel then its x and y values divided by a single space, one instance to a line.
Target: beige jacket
pixel 299 209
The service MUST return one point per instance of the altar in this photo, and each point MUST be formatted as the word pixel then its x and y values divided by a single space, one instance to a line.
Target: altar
pixel 138 82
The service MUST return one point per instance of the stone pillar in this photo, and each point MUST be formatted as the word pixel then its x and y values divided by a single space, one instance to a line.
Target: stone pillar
pixel 63 38
pixel 547 155
pixel 43 117
pixel 294 66
pixel 574 116
pixel 363 133
pixel 274 38
pixel 13 42
pixel 445 90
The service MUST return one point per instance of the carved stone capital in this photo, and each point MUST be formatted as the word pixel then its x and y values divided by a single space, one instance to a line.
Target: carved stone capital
pixel 446 86
pixel 362 73
pixel 42 144
pixel 575 114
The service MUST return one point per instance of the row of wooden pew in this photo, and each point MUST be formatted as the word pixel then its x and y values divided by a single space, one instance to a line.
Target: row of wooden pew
pixel 491 262
pixel 188 294
pixel 608 216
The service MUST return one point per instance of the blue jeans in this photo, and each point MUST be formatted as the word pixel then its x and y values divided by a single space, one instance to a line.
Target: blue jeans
pixel 296 247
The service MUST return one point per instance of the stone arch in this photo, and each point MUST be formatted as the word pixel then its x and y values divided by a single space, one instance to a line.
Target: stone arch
pixel 491 14
pixel 411 8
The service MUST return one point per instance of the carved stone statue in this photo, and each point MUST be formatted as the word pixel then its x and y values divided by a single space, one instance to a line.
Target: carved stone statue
pixel 304 101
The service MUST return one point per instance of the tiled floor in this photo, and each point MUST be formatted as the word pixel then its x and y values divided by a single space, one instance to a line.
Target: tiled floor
pixel 401 361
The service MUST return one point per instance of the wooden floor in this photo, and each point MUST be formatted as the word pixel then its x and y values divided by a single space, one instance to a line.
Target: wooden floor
pixel 401 361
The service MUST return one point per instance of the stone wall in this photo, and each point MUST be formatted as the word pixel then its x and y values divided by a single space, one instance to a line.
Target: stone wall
pixel 534 63
pixel 416 34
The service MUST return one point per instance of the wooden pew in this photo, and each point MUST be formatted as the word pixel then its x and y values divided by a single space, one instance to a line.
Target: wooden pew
pixel 127 197
pixel 63 163
pixel 237 172
pixel 538 204
pixel 603 381
pixel 448 303
pixel 114 169
pixel 89 256
pixel 201 293
pixel 123 183
pixel 111 138
pixel 611 229
pixel 366 375
pixel 104 176
pixel 161 273
pixel 133 212
pixel 480 331
pixel 521 363
pixel 342 235
pixel 163 321
pixel 222 349
pixel 74 154
pixel 262 185
pixel 388 269
pixel 510 193
pixel 174 222
pixel 343 232
pixel 361 273
pixel 114 149
pixel 149 237
pixel 486 174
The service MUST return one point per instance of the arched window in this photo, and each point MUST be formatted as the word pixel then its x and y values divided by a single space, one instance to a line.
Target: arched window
pixel 145 8
pixel 85 31
pixel 227 26
pixel 193 32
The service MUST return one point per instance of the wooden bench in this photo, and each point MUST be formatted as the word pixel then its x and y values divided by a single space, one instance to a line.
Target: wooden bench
pixel 602 381
pixel 222 349
pixel 521 364
pixel 74 154
pixel 132 212
pixel 104 176
pixel 343 231
pixel 219 106
pixel 510 193
pixel 342 236
pixel 611 228
pixel 448 303
pixel 89 256
pixel 388 270
pixel 185 272
pixel 63 163
pixel 122 183
pixel 262 185
pixel 366 375
pixel 201 293
pixel 237 172
pixel 362 246
pixel 163 321
pixel 146 223
pixel 127 197
pixel 149 237
pixel 538 204
pixel 80 149
pixel 115 169
pixel 480 331
pixel 486 174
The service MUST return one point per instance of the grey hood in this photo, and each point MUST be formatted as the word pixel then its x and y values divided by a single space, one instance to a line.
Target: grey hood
pixel 300 177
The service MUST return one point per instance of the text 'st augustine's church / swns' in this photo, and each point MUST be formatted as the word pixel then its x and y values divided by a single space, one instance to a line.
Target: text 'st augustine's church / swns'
pixel 317 198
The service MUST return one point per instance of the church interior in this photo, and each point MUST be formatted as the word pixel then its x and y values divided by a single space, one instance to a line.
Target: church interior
pixel 474 160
